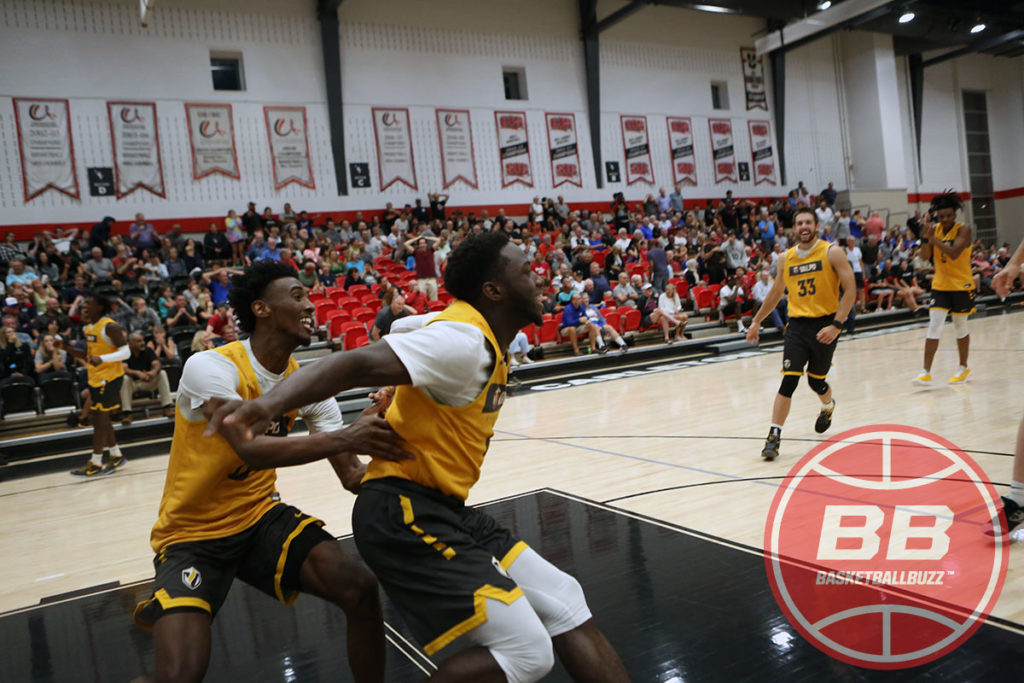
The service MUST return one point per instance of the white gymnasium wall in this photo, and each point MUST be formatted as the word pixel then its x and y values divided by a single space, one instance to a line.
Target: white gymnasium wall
pixel 412 53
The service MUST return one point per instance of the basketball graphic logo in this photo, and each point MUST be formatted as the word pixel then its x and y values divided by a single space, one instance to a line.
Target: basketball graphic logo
pixel 876 551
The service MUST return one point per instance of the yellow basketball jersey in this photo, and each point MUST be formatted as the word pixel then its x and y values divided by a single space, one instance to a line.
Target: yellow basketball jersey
pixel 812 282
pixel 210 492
pixel 448 442
pixel 952 275
pixel 96 345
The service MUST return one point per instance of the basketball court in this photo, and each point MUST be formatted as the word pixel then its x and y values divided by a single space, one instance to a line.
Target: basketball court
pixel 659 512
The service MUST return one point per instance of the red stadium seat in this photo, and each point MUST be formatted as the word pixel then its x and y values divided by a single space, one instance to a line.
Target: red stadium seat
pixel 335 313
pixel 356 290
pixel 355 339
pixel 714 288
pixel 369 300
pixel 437 305
pixel 612 318
pixel 351 304
pixel 322 308
pixel 531 333
pixel 316 297
pixel 548 332
pixel 340 325
pixel 631 320
pixel 366 316
pixel 340 297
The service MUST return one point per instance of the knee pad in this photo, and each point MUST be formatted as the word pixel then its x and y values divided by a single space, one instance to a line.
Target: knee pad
pixel 818 385
pixel 936 318
pixel 960 324
pixel 516 638
pixel 555 596
pixel 789 384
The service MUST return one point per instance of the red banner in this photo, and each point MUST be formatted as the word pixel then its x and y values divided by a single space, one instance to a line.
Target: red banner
pixel 513 148
pixel 680 145
pixel 637 150
pixel 723 151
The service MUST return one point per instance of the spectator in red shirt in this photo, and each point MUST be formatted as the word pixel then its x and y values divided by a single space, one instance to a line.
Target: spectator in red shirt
pixel 426 267
pixel 874 226
pixel 416 299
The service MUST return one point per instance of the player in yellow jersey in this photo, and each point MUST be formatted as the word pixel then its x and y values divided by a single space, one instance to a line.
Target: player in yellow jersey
pixel 948 244
pixel 813 271
pixel 451 570
pixel 221 516
pixel 106 347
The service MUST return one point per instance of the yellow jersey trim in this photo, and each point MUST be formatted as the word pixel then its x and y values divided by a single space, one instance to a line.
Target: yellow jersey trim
pixel 811 374
pixel 284 558
pixel 480 596
pixel 512 554
pixel 167 602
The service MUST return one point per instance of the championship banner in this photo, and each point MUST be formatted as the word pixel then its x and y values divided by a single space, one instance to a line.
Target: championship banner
pixel 211 136
pixel 45 147
pixel 289 146
pixel 514 148
pixel 753 78
pixel 722 149
pixel 136 142
pixel 761 147
pixel 637 148
pixel 395 162
pixel 455 136
pixel 680 143
pixel 565 154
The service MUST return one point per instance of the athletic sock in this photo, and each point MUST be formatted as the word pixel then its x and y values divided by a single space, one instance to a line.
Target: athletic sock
pixel 775 429
pixel 962 369
pixel 621 341
pixel 926 372
pixel 1016 493
pixel 115 451
pixel 829 406
pixel 97 459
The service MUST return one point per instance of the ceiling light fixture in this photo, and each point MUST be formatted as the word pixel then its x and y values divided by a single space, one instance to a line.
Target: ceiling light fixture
pixel 822 6
pixel 978 27
pixel 714 8
pixel 906 16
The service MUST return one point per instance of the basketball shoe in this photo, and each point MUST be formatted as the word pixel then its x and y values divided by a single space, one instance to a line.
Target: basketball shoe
pixel 824 420
pixel 1014 516
pixel 90 471
pixel 960 377
pixel 924 380
pixel 771 445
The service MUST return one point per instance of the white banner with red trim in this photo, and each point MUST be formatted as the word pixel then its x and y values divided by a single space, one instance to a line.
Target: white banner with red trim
pixel 135 136
pixel 723 151
pixel 761 149
pixel 211 136
pixel 565 154
pixel 455 135
pixel 395 162
pixel 680 143
pixel 288 136
pixel 514 148
pixel 637 149
pixel 45 147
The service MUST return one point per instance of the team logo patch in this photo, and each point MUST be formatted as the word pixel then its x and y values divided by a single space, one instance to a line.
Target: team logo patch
pixel 804 268
pixel 876 547
pixel 786 363
pixel 191 578
pixel 495 398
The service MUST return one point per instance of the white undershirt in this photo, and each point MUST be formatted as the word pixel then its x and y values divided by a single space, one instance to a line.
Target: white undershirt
pixel 449 361
pixel 210 374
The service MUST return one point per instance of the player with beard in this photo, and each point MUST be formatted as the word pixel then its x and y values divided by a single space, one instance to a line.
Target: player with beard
pixel 221 515
pixel 451 570
pixel 813 271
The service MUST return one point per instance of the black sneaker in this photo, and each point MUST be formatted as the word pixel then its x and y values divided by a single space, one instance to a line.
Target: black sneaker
pixel 771 446
pixel 90 471
pixel 1014 516
pixel 601 350
pixel 114 463
pixel 824 420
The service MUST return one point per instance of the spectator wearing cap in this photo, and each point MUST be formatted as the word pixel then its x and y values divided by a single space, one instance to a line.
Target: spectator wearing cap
pixel 99 234
pixel 308 275
pixel 22 313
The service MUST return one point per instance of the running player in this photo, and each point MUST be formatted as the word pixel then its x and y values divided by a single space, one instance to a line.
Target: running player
pixel 813 271
pixel 451 570
pixel 1013 504
pixel 221 516
pixel 106 346
pixel 948 244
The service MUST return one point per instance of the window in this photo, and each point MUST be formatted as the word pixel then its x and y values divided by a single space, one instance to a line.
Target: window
pixel 226 69
pixel 979 164
pixel 719 95
pixel 514 80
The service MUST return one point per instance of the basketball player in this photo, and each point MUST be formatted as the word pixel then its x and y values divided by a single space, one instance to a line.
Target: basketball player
pixel 221 516
pixel 106 346
pixel 813 271
pixel 451 570
pixel 1013 504
pixel 948 244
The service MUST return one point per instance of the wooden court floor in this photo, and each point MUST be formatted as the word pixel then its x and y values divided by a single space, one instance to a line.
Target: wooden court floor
pixel 680 447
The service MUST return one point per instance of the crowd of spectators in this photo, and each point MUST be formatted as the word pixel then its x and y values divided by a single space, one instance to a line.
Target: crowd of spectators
pixel 172 289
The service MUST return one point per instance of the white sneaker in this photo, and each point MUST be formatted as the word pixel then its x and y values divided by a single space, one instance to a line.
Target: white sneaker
pixel 512 362
pixel 740 328
pixel 525 361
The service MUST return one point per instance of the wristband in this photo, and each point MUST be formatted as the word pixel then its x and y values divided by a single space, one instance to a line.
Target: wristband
pixel 838 325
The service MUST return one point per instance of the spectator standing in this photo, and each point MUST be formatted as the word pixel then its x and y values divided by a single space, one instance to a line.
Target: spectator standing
pixel 426 268
pixel 99 234
pixel 826 215
pixel 658 260
pixel 142 235
pixel 675 199
pixel 829 195
pixel 217 247
pixel 874 226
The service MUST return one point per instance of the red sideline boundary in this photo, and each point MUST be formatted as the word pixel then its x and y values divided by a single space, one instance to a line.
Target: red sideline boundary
pixel 200 224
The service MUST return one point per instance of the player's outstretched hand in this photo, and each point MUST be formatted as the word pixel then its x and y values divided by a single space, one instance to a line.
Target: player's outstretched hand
pixel 371 435
pixel 753 333
pixel 250 415
pixel 1004 279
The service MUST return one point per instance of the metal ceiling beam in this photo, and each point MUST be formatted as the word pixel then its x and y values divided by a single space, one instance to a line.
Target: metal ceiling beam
pixel 591 64
pixel 330 42
pixel 621 13
pixel 976 46
pixel 843 15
